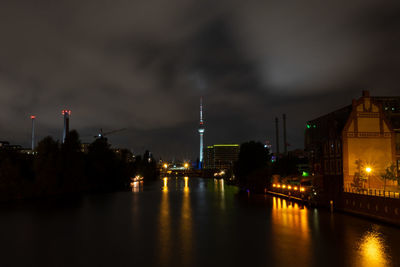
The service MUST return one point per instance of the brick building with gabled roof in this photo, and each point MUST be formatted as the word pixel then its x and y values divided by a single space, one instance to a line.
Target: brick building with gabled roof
pixel 341 144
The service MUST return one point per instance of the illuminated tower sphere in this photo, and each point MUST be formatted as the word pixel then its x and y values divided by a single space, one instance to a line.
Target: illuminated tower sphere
pixel 66 113
pixel 201 132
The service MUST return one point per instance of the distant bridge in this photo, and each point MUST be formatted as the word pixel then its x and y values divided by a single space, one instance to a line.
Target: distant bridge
pixel 187 172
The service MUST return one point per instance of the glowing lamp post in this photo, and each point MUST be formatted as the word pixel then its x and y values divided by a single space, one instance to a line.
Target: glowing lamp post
pixel 186 166
pixel 369 170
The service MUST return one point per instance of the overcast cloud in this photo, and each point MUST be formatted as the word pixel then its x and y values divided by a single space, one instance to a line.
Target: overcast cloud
pixel 144 65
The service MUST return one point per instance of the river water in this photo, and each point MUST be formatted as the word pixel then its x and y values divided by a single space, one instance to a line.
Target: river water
pixel 188 222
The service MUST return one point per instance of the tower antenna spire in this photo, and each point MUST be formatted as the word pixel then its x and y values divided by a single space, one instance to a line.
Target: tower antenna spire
pixel 201 110
pixel 201 132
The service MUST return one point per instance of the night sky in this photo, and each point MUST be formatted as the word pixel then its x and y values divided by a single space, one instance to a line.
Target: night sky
pixel 143 65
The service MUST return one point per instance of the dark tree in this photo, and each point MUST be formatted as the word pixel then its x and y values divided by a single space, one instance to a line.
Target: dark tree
pixel 253 165
pixel 72 177
pixel 47 167
pixel 16 176
pixel 101 164
pixel 147 166
pixel 65 169
pixel 288 165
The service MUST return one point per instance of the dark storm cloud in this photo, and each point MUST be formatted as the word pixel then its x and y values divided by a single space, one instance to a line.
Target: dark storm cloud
pixel 144 65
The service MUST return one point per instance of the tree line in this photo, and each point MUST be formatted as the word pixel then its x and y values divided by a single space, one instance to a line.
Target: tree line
pixel 254 167
pixel 59 169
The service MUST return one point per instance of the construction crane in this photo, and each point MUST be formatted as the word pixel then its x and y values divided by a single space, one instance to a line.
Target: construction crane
pixel 102 135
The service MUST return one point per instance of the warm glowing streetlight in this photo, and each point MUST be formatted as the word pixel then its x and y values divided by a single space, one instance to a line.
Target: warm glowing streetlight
pixel 186 165
pixel 368 170
pixel 165 166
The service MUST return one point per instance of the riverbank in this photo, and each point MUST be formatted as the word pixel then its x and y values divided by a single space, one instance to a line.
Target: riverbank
pixel 374 208
pixel 377 208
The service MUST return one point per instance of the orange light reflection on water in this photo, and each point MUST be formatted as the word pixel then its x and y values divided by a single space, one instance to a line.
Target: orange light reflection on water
pixel 137 186
pixel 186 231
pixel 289 217
pixel 165 187
pixel 186 188
pixel 164 226
pixel 219 186
pixel 372 250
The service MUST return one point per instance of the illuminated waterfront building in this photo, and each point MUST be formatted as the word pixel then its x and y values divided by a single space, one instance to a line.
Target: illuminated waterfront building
pixel 221 156
pixel 358 141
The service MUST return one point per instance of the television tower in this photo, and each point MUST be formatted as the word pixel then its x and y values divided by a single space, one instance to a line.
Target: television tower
pixel 33 117
pixel 201 132
pixel 66 113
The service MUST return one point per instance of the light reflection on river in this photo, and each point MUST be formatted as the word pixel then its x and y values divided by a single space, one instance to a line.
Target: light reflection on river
pixel 188 222
pixel 373 250
pixel 288 217
pixel 164 226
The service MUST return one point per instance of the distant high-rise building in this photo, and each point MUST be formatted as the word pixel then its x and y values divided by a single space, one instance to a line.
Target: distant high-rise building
pixel 221 156
pixel 201 132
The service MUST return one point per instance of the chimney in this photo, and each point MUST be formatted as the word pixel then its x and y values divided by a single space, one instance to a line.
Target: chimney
pixel 66 113
pixel 284 135
pixel 277 137
pixel 33 117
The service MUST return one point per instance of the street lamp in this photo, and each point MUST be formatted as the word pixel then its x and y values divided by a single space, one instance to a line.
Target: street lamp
pixel 368 170
pixel 186 165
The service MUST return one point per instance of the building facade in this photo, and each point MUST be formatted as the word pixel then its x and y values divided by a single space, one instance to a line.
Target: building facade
pixel 353 146
pixel 221 156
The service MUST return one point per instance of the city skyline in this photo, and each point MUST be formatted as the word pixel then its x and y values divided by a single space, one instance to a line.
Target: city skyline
pixel 199 133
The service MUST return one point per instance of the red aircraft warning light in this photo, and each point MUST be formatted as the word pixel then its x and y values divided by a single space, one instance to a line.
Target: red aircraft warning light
pixel 33 117
pixel 66 112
